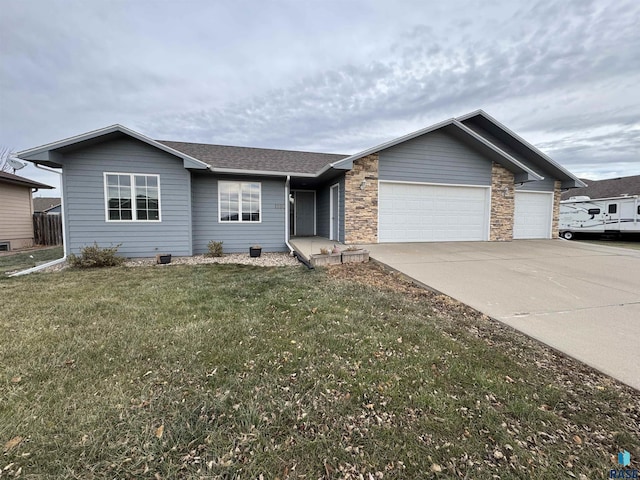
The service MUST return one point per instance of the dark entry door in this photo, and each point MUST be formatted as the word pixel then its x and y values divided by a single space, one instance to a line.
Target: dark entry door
pixel 334 207
pixel 305 209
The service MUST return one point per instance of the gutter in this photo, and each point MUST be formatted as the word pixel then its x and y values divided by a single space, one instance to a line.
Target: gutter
pixel 64 240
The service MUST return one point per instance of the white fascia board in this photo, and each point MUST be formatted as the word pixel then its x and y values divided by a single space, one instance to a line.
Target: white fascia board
pixel 392 143
pixel 34 152
pixel 533 175
pixel 71 140
pixel 515 136
pixel 452 121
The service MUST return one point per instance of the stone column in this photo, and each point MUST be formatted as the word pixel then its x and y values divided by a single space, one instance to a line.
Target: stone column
pixel 555 226
pixel 502 204
pixel 361 201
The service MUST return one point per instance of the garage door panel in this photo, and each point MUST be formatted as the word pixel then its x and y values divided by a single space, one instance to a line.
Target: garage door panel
pixel 431 213
pixel 532 215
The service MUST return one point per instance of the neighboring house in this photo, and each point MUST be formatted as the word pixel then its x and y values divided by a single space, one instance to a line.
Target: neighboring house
pixel 48 205
pixel 612 187
pixel 16 211
pixel 468 178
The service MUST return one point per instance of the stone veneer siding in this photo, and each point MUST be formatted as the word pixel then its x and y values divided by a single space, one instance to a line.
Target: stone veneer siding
pixel 361 205
pixel 502 204
pixel 555 226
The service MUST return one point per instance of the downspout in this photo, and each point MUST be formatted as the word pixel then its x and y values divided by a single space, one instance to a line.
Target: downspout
pixel 286 215
pixel 64 240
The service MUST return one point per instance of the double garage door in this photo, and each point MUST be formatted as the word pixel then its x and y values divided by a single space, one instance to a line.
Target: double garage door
pixel 439 213
pixel 432 213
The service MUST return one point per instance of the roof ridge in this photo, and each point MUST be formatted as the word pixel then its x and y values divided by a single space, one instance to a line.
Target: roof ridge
pixel 253 148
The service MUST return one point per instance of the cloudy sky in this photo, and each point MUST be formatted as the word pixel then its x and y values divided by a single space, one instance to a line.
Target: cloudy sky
pixel 331 76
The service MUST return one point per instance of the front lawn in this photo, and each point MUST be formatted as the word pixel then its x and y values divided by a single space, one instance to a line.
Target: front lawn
pixel 632 244
pixel 224 371
pixel 30 258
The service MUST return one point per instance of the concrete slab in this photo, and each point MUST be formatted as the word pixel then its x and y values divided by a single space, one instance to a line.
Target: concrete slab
pixel 582 299
pixel 306 246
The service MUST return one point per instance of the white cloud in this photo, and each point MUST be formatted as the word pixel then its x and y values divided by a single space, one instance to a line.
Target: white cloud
pixel 325 76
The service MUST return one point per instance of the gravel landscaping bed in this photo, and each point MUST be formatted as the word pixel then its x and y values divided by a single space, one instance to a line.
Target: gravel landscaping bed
pixel 265 260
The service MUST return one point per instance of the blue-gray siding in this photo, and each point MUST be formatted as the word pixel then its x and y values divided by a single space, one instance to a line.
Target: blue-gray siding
pixel 84 199
pixel 435 157
pixel 323 203
pixel 238 237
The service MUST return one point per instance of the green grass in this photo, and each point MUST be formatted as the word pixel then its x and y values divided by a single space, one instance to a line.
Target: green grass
pixel 28 259
pixel 287 373
pixel 615 243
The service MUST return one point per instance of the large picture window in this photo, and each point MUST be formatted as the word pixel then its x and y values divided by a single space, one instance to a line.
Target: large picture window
pixel 132 197
pixel 239 201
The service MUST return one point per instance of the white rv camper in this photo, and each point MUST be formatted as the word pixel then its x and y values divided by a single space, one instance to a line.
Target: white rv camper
pixel 603 215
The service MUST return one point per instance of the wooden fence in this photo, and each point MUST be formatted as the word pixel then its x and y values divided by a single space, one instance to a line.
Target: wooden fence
pixel 47 229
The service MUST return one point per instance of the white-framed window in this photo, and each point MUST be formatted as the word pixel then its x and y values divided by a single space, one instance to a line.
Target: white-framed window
pixel 132 197
pixel 239 202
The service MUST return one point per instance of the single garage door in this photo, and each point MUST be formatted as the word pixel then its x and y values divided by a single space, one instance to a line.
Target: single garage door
pixel 533 213
pixel 432 213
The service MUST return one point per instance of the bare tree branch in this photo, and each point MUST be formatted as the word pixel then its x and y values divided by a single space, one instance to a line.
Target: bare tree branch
pixel 5 154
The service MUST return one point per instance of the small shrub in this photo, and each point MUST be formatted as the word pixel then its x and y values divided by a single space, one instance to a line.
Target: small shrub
pixel 353 248
pixel 215 248
pixel 324 251
pixel 93 256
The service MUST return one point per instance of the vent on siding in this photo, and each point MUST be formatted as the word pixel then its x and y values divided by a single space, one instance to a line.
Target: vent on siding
pixel 5 246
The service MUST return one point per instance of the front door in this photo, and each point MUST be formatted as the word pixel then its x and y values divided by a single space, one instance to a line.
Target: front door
pixel 334 212
pixel 304 213
pixel 612 217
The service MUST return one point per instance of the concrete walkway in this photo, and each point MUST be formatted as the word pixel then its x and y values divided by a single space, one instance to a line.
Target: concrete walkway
pixel 583 300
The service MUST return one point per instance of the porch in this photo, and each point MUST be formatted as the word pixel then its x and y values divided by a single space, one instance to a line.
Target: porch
pixel 316 209
pixel 306 246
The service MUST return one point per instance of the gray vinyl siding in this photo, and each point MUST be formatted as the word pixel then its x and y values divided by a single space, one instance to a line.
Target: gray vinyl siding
pixel 84 200
pixel 323 203
pixel 435 157
pixel 546 185
pixel 238 237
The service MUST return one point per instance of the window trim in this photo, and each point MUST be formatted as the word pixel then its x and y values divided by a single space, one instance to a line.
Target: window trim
pixel 134 208
pixel 240 221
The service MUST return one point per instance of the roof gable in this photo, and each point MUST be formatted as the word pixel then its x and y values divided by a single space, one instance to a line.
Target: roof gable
pixel 462 133
pixel 48 154
pixel 488 127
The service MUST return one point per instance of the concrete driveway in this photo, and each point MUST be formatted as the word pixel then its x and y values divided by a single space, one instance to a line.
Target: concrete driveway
pixel 583 300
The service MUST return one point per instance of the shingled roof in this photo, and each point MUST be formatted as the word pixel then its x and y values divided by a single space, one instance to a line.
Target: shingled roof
pixel 42 204
pixel 256 159
pixel 612 187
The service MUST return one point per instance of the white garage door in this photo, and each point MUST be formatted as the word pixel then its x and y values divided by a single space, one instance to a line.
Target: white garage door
pixel 533 212
pixel 432 213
